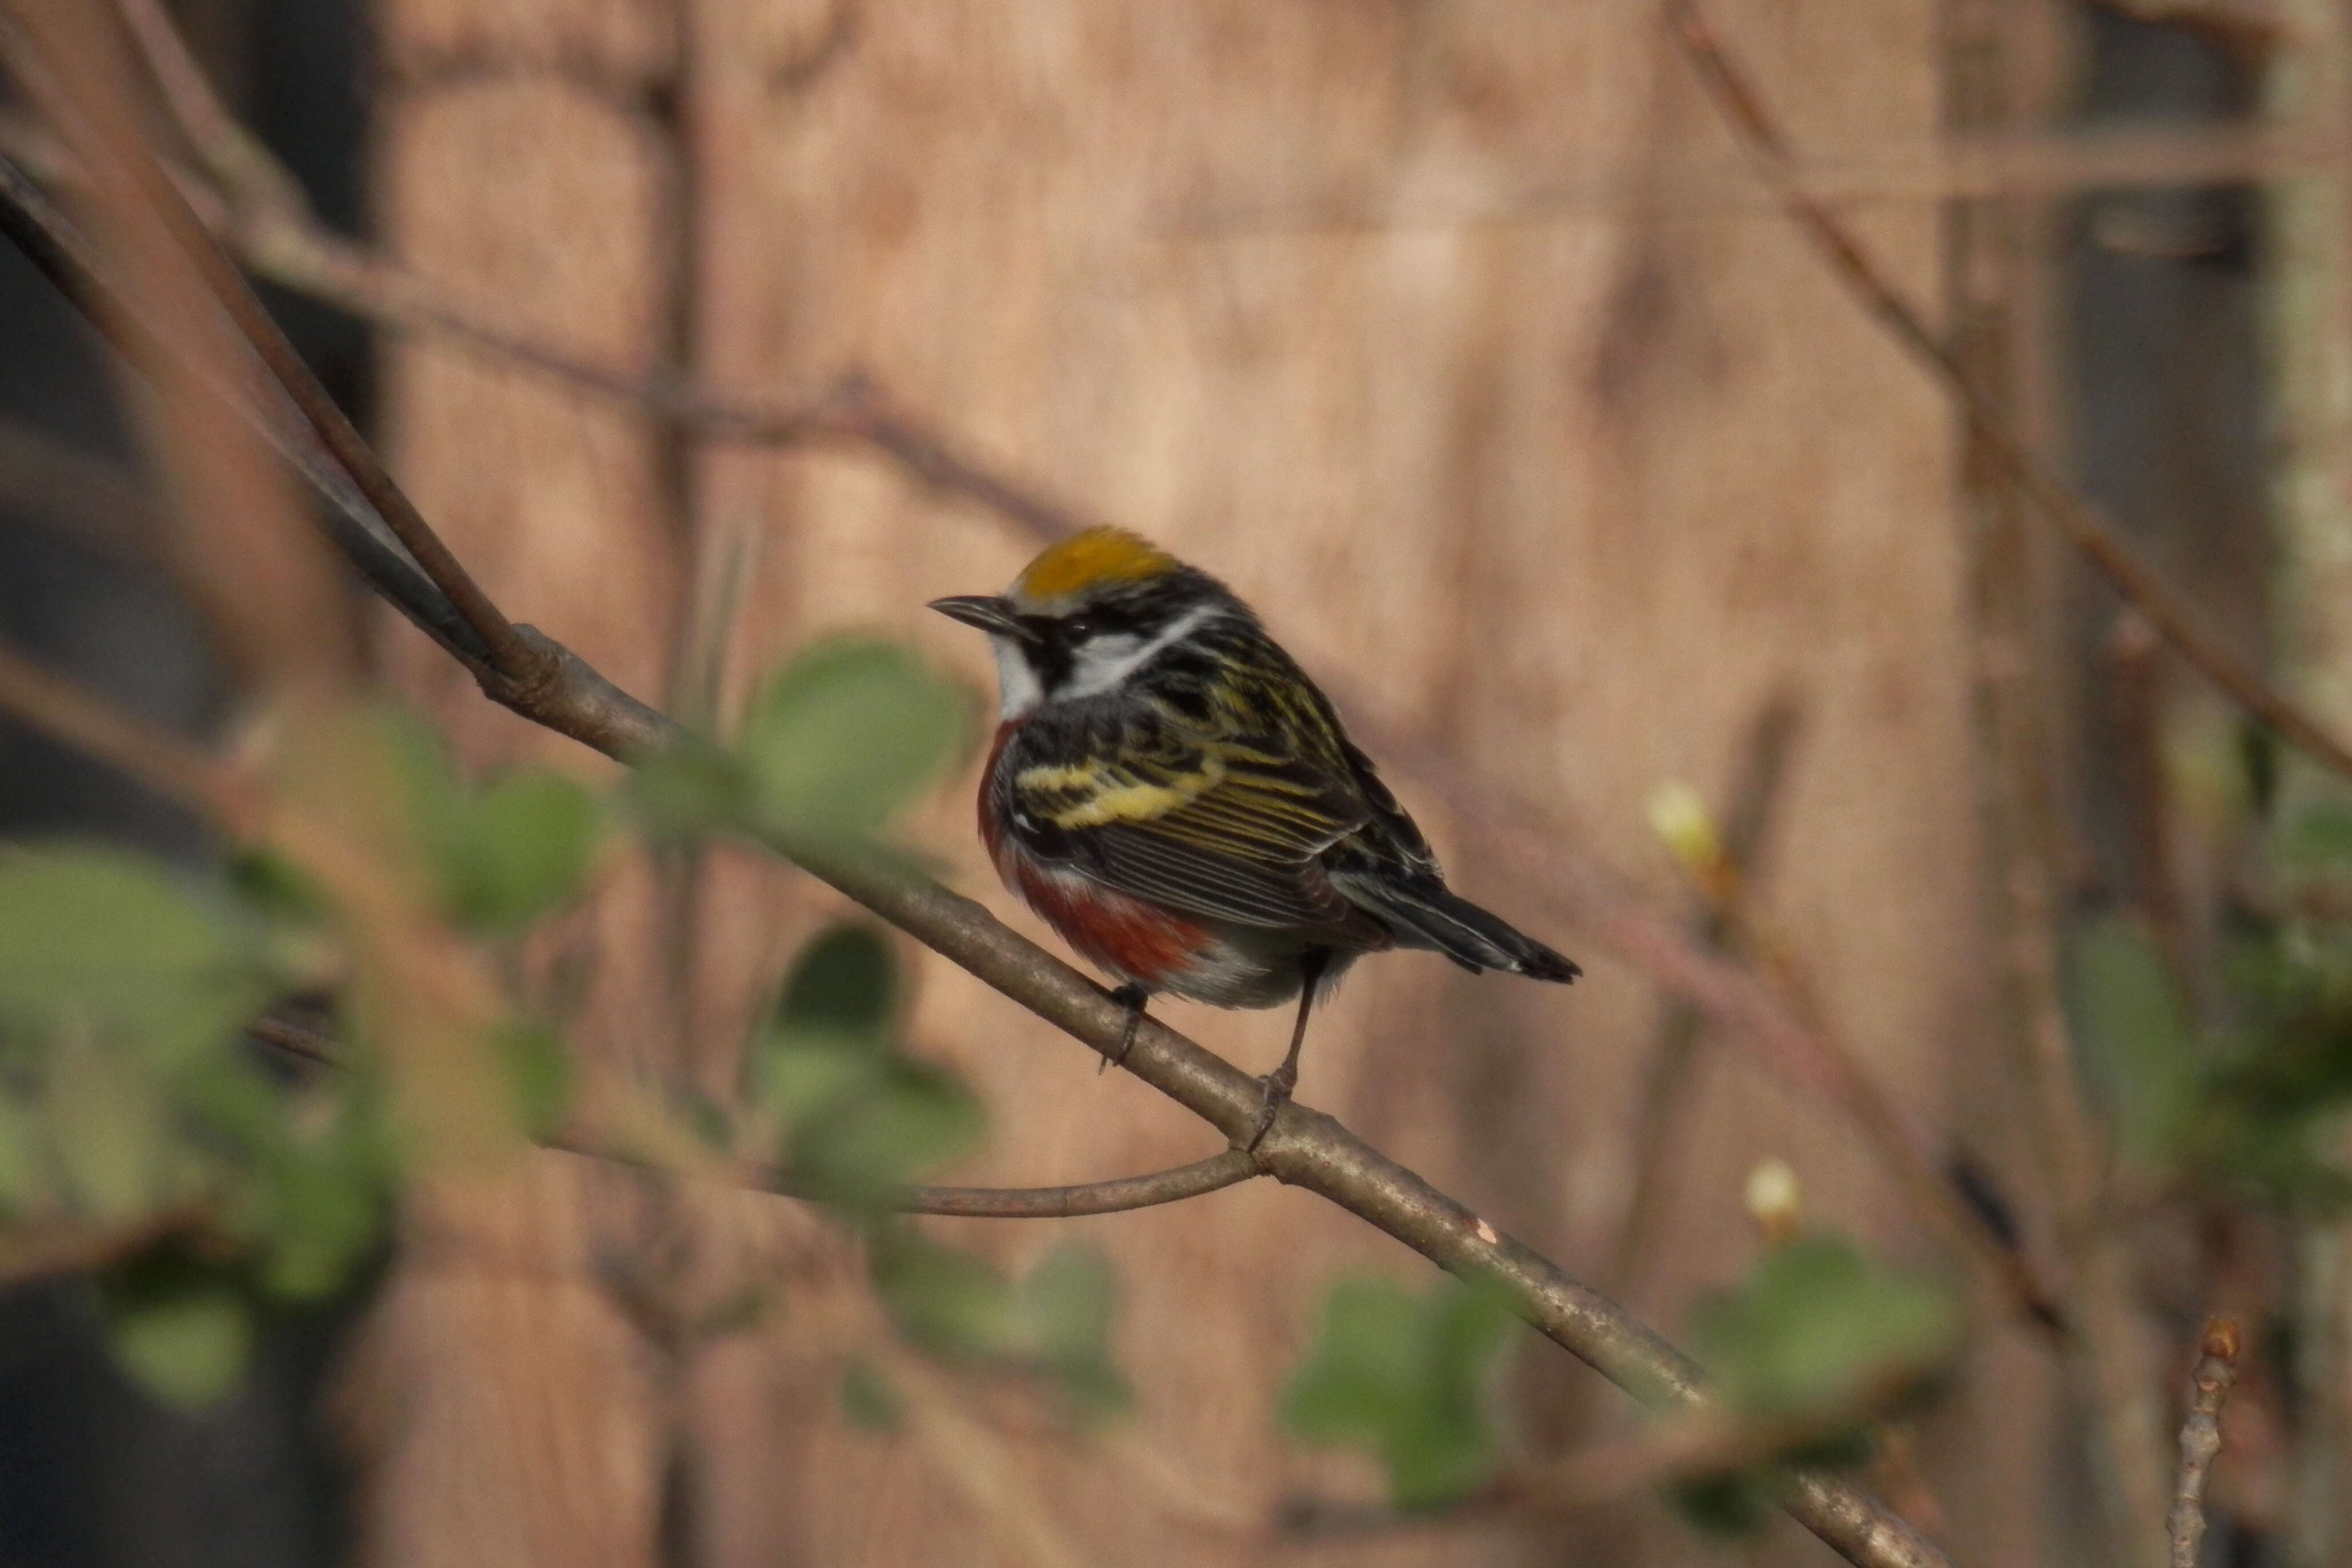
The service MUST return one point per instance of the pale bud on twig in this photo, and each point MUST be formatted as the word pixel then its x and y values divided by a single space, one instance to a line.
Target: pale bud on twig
pixel 1774 1200
pixel 1679 817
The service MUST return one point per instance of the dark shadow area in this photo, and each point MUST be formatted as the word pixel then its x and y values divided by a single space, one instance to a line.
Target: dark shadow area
pixel 93 1473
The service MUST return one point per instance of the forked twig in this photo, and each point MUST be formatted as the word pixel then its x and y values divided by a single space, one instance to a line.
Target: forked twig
pixel 1118 1195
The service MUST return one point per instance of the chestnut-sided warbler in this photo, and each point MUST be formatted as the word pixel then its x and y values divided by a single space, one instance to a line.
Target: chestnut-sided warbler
pixel 1174 796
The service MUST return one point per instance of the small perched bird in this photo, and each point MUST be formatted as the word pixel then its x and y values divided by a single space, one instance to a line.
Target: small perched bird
pixel 1174 796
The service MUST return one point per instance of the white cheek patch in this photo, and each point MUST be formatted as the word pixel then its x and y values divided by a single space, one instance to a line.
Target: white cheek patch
pixel 1016 684
pixel 1106 661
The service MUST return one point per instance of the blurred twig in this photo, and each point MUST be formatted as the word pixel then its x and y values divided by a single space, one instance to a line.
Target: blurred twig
pixel 1118 1195
pixel 1948 169
pixel 1985 267
pixel 239 540
pixel 1755 794
pixel 57 485
pixel 2138 679
pixel 2201 1437
pixel 2000 447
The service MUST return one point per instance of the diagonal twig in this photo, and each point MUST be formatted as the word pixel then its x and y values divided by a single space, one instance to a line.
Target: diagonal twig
pixel 52 79
pixel 1998 444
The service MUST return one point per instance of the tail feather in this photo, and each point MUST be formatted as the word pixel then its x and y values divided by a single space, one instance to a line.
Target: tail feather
pixel 1428 916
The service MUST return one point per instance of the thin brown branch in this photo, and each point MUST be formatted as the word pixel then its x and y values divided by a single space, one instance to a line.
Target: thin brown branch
pixel 2026 827
pixel 1705 1442
pixel 1117 1195
pixel 1754 794
pixel 513 656
pixel 2000 445
pixel 2201 1437
pixel 1951 168
pixel 560 691
pixel 162 762
pixel 239 540
pixel 71 261
pixel 95 503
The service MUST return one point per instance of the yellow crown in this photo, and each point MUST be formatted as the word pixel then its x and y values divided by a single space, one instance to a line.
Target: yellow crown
pixel 1084 560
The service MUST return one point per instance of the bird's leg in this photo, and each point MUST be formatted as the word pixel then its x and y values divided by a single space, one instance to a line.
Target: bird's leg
pixel 1132 997
pixel 1284 1079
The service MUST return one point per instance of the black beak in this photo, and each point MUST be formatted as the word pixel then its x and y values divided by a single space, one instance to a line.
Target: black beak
pixel 990 614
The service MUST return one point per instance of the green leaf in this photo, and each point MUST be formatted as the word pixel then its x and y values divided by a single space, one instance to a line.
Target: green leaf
pixel 845 981
pixel 1815 1326
pixel 1409 1378
pixel 691 788
pixel 847 733
pixel 501 857
pixel 2318 836
pixel 861 1147
pixel 526 848
pixel 537 1066
pixel 98 939
pixel 860 1119
pixel 1055 1321
pixel 2139 1047
pixel 1062 1312
pixel 107 1131
pixel 184 1336
pixel 943 1301
pixel 868 1398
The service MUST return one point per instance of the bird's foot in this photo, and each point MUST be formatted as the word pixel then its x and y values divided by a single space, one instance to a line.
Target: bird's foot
pixel 1278 1085
pixel 1133 998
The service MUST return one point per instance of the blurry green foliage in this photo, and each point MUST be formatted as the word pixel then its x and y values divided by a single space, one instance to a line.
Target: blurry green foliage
pixel 1409 1378
pixel 844 736
pixel 868 1398
pixel 832 745
pixel 503 856
pixel 128 1094
pixel 2138 1046
pixel 2251 1106
pixel 96 942
pixel 860 1119
pixel 184 1332
pixel 133 1105
pixel 1821 1338
pixel 1054 1322
pixel 1815 1323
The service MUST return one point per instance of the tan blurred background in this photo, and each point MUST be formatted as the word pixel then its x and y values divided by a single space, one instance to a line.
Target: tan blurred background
pixel 1455 335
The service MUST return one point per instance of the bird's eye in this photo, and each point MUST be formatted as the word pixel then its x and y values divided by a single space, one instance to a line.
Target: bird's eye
pixel 1077 628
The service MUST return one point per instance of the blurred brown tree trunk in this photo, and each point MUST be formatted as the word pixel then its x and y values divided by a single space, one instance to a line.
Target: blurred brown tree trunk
pixel 1573 487
pixel 508 1410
